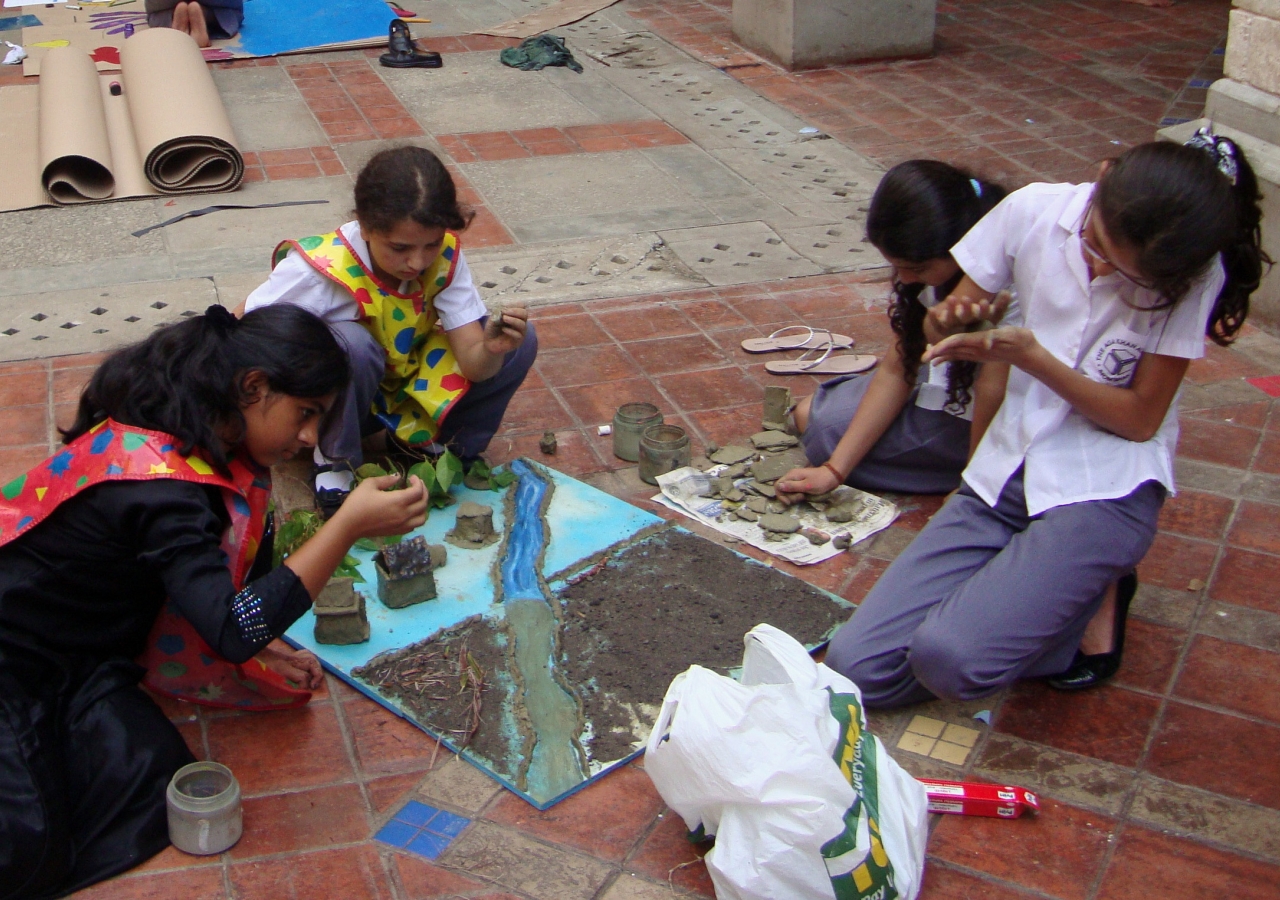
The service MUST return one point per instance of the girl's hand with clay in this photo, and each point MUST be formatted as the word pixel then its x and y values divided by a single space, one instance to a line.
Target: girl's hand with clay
pixel 964 311
pixel 505 331
pixel 1015 346
pixel 373 509
pixel 800 484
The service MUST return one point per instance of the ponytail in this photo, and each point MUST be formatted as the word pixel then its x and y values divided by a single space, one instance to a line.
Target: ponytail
pixel 187 379
pixel 920 210
pixel 1181 206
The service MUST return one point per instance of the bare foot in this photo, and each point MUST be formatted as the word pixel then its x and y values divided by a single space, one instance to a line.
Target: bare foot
pixel 299 666
pixel 199 28
pixel 1099 634
pixel 181 18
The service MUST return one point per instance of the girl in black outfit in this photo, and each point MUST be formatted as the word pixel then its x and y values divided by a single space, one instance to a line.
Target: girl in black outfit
pixel 159 493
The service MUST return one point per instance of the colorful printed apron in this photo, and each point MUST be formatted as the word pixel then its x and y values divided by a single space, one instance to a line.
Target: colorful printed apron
pixel 423 380
pixel 179 663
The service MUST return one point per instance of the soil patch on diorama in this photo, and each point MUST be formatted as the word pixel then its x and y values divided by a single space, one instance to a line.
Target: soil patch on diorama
pixel 660 606
pixel 433 680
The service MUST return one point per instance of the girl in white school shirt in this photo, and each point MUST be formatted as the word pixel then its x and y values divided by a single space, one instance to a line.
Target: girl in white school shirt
pixel 1119 282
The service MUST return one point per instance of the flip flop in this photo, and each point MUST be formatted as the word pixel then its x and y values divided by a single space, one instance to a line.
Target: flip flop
pixel 809 363
pixel 806 339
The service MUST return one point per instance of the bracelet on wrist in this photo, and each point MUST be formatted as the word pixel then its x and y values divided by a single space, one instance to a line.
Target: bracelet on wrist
pixel 834 471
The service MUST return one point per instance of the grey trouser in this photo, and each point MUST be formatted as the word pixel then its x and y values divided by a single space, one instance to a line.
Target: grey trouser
pixel 985 596
pixel 469 425
pixel 922 452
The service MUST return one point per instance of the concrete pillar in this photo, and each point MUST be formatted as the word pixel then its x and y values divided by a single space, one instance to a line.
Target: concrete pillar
pixel 1245 106
pixel 805 34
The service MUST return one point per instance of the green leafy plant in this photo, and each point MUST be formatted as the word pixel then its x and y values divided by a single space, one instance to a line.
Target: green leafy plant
pixel 495 479
pixel 296 529
pixel 438 477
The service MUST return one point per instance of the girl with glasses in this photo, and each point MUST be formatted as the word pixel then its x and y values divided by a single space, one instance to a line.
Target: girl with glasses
pixel 1118 283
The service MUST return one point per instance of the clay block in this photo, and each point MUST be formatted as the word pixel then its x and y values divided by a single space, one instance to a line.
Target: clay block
pixel 736 471
pixel 732 454
pixel 340 614
pixel 773 468
pixel 782 524
pixel 758 504
pixel 839 514
pixel 773 440
pixel 763 490
pixel 735 496
pixel 723 485
pixel 816 537
pixel 405 573
pixel 777 403
pixel 746 513
pixel 439 556
pixel 473 528
pixel 841 541
pixel 548 443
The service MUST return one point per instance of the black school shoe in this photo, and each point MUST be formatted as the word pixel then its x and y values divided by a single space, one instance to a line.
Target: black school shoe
pixel 1086 671
pixel 403 53
pixel 328 500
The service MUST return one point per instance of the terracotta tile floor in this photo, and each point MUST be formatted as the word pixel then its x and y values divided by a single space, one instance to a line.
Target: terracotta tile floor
pixel 1161 779
pixel 1162 783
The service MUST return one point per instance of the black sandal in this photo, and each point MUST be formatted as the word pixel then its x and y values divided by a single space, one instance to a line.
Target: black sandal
pixel 403 53
pixel 328 500
pixel 1086 671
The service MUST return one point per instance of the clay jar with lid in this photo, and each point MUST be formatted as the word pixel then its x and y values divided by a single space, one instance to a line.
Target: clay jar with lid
pixel 629 423
pixel 663 448
pixel 203 801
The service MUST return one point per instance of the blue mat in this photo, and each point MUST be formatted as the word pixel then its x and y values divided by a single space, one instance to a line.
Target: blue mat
pixel 287 26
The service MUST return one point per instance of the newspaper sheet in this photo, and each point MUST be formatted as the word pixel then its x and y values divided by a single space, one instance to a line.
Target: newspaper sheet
pixel 683 490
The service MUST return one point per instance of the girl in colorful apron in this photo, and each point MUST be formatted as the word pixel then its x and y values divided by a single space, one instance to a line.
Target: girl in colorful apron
pixel 428 364
pixel 129 555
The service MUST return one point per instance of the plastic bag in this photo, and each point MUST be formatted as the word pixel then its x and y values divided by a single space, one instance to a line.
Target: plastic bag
pixel 802 800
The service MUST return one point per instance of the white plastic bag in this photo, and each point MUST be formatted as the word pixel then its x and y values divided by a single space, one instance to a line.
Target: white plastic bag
pixel 803 801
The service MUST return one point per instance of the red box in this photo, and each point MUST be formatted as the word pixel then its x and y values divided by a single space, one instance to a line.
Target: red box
pixel 968 798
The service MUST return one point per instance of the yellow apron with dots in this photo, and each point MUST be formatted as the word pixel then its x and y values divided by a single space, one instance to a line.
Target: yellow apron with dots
pixel 423 380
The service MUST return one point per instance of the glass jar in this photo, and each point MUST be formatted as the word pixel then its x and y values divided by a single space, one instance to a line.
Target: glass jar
pixel 663 448
pixel 629 422
pixel 203 800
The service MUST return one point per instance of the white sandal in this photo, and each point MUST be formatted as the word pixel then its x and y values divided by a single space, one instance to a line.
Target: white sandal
pixel 825 364
pixel 810 339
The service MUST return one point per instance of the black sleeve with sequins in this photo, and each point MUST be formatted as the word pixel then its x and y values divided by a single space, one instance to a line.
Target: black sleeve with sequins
pixel 182 540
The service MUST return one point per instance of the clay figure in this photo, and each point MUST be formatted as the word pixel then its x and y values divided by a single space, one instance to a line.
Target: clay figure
pixel 340 614
pixel 548 443
pixel 405 573
pixel 473 528
pixel 777 403
pixel 842 541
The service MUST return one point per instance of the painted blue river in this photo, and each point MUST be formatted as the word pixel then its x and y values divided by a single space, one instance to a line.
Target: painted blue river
pixel 526 539
pixel 557 763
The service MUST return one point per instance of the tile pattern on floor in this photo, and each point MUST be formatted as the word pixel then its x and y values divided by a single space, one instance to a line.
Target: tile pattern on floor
pixel 1154 778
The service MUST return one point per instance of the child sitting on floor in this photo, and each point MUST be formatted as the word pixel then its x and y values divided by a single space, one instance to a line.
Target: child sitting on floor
pixel 1119 282
pixel 161 491
pixel 906 427
pixel 395 288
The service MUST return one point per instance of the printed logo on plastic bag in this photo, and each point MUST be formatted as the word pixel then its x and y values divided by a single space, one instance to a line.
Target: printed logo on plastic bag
pixel 856 860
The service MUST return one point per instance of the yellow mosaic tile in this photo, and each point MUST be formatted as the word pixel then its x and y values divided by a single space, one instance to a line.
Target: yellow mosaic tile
pixel 958 734
pixel 916 743
pixel 926 726
pixel 951 753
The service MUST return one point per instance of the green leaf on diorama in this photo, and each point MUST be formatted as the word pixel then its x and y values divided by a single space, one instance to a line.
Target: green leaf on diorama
pixel 348 568
pixel 370 470
pixel 426 472
pixel 448 470
pixel 480 469
pixel 502 478
pixel 440 501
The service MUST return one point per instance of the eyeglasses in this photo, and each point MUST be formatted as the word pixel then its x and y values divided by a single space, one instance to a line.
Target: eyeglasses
pixel 1100 257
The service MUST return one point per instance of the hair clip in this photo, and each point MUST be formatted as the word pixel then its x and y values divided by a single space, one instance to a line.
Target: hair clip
pixel 1223 151
pixel 977 187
